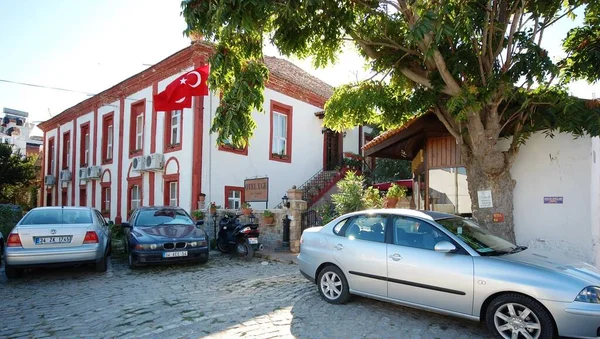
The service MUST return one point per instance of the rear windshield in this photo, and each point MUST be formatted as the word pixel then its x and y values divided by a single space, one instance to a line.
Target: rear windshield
pixel 53 216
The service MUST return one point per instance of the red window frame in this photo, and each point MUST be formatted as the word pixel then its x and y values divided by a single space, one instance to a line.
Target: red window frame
pixel 137 108
pixel 168 179
pixel 66 149
pixel 234 188
pixel 130 183
pixel 85 129
pixel 108 120
pixel 50 168
pixel 105 192
pixel 234 150
pixel 168 147
pixel 82 196
pixel 288 111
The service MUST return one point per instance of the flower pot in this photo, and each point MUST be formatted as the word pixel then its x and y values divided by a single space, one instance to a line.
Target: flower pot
pixel 391 202
pixel 213 210
pixel 269 220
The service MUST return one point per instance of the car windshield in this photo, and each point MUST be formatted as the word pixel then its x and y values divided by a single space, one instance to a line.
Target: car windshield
pixel 55 216
pixel 167 216
pixel 478 238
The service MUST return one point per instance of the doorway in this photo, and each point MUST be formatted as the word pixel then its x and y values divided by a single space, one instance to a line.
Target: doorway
pixel 332 157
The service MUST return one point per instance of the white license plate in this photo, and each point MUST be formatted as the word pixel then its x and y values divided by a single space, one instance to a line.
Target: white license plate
pixel 175 254
pixel 52 240
pixel 253 241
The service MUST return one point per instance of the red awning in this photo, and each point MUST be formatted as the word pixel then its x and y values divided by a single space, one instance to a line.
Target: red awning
pixel 384 186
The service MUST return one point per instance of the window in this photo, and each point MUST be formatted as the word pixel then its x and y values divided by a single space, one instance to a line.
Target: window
pixel 173 187
pixel 66 153
pixel 136 197
pixel 339 227
pixel 85 144
pixel 416 233
pixel 136 129
pixel 106 201
pixel 234 197
pixel 82 197
pixel 173 130
pixel 175 126
pixel 281 132
pixel 107 138
pixel 229 147
pixel 367 227
pixel 50 170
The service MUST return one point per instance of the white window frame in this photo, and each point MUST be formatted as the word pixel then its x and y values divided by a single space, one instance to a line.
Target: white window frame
pixel 175 136
pixel 109 142
pixel 279 135
pixel 68 143
pixel 135 199
pixel 139 133
pixel 173 196
pixel 86 146
pixel 106 202
pixel 234 201
pixel 53 159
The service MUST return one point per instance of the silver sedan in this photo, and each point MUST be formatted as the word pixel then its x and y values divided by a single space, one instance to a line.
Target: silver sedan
pixel 446 264
pixel 57 236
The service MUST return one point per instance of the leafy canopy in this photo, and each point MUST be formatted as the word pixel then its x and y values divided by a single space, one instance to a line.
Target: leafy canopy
pixel 16 173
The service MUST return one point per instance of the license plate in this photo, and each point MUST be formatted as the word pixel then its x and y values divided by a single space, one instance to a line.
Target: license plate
pixel 253 241
pixel 175 254
pixel 52 240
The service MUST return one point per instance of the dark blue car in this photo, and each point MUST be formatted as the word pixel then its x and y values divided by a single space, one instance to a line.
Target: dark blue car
pixel 164 234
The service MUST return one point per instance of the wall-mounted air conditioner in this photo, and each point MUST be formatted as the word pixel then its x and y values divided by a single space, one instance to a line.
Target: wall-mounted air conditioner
pixel 154 162
pixel 94 172
pixel 83 173
pixel 65 175
pixel 49 180
pixel 137 164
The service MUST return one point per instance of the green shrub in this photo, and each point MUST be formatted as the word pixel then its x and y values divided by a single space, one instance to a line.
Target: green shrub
pixel 327 212
pixel 396 191
pixel 372 198
pixel 349 199
pixel 267 213
pixel 117 231
pixel 8 219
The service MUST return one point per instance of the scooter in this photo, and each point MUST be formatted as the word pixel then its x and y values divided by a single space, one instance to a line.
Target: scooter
pixel 234 235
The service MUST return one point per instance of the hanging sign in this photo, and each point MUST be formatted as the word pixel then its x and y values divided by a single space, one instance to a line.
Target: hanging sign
pixel 256 190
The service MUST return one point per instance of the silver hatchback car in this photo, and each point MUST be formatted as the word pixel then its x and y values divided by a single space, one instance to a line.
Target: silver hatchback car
pixel 58 236
pixel 444 263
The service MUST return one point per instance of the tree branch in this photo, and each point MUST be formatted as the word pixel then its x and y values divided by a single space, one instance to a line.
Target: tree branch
pixel 509 45
pixel 421 80
pixel 438 111
pixel 453 86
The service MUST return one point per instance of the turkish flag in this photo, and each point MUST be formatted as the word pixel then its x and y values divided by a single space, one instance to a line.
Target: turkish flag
pixel 179 93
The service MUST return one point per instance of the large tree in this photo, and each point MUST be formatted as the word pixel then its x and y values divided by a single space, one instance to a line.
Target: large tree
pixel 17 174
pixel 479 65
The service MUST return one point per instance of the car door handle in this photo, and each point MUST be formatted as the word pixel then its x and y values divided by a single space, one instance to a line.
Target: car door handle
pixel 339 247
pixel 396 257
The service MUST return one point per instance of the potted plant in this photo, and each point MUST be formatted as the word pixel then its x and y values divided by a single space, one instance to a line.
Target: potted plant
pixel 268 217
pixel 213 208
pixel 246 209
pixel 393 194
pixel 198 215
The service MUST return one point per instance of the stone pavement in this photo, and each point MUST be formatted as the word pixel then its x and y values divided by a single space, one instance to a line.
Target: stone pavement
pixel 222 299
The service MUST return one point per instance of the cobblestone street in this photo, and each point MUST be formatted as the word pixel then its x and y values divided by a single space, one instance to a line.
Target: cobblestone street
pixel 222 299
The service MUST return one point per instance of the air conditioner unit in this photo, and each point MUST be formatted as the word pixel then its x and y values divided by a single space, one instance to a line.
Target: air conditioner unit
pixel 65 175
pixel 49 180
pixel 137 164
pixel 94 172
pixel 83 173
pixel 154 162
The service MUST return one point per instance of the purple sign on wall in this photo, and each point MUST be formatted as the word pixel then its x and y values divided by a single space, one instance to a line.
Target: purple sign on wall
pixel 553 200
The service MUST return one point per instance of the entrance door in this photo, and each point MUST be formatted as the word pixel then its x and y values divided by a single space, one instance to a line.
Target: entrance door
pixel 333 150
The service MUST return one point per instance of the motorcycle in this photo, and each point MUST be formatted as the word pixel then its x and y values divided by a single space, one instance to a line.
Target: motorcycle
pixel 238 236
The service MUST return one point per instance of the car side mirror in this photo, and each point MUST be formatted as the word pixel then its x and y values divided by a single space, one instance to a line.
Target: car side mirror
pixel 199 222
pixel 110 223
pixel 444 247
pixel 125 225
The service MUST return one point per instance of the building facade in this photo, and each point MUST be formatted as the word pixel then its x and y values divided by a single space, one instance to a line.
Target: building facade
pixel 115 152
pixel 15 129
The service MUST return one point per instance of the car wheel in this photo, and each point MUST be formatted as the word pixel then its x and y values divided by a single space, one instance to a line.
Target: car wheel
pixel 131 261
pixel 12 272
pixel 333 285
pixel 518 316
pixel 203 258
pixel 102 265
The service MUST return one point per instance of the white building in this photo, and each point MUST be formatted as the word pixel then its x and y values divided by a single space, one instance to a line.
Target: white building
pixel 15 129
pixel 96 148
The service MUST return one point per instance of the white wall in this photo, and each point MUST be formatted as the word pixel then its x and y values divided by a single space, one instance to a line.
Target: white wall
pixel 595 198
pixel 351 141
pixel 222 168
pixel 558 166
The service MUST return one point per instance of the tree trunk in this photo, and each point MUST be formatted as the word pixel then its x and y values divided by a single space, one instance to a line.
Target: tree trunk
pixel 501 186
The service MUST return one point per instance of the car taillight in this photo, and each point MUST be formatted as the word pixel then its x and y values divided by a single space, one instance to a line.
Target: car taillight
pixel 90 238
pixel 14 240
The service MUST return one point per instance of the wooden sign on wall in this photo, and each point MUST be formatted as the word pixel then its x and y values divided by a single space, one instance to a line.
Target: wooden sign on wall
pixel 256 190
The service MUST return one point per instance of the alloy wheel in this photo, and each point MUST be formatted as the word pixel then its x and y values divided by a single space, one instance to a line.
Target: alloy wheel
pixel 514 321
pixel 331 285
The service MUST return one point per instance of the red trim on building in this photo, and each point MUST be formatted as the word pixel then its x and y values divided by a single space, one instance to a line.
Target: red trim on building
pixel 118 218
pixel 231 149
pixel 140 108
pixel 135 181
pixel 167 180
pixel 50 153
pixel 74 169
pixel 66 145
pixel 288 111
pixel 152 175
pixel 82 195
pixel 105 190
pixel 198 115
pixel 168 147
pixel 108 119
pixel 84 128
pixel 94 142
pixel 43 186
pixel 56 169
pixel 234 188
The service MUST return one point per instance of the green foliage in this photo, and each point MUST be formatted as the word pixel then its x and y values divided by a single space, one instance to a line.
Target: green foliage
pixel 326 211
pixel 198 214
pixel 17 174
pixel 267 213
pixel 390 169
pixel 8 219
pixel 372 198
pixel 349 198
pixel 583 46
pixel 396 191
pixel 117 231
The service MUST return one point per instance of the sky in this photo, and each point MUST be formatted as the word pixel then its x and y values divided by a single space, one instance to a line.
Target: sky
pixel 89 46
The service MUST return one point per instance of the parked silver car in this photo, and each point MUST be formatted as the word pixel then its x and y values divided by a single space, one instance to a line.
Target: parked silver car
pixel 447 264
pixel 57 236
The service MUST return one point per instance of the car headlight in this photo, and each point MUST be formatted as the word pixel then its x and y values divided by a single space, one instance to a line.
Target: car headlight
pixel 590 294
pixel 145 247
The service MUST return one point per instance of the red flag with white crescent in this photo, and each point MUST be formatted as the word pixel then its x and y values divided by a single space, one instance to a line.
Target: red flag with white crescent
pixel 179 92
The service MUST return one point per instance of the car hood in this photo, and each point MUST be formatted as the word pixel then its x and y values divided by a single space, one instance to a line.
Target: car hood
pixel 172 231
pixel 557 263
